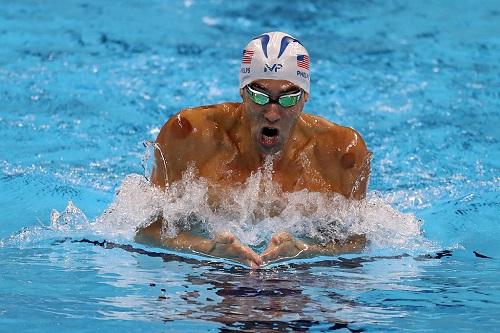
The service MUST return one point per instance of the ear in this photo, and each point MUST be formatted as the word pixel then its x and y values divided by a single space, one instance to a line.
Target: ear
pixel 306 96
pixel 241 93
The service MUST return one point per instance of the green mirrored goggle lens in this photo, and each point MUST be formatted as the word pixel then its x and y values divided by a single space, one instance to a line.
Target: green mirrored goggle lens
pixel 262 99
pixel 259 98
pixel 289 100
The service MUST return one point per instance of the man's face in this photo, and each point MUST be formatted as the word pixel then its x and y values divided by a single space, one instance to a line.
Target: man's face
pixel 272 123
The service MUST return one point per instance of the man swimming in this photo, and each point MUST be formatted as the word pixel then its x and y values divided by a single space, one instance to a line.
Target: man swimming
pixel 228 142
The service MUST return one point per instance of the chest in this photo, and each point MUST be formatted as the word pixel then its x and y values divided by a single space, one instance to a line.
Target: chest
pixel 302 172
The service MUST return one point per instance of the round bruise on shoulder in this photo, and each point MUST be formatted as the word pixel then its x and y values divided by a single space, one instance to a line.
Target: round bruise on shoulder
pixel 181 127
pixel 347 160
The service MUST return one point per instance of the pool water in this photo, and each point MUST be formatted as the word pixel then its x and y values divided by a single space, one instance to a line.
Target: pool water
pixel 84 84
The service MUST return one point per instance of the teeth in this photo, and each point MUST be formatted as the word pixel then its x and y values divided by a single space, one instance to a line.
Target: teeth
pixel 269 140
pixel 269 136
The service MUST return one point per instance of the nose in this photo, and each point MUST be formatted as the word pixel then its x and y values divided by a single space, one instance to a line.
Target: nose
pixel 271 113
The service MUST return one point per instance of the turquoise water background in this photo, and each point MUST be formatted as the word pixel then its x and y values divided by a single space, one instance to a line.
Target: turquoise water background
pixel 84 83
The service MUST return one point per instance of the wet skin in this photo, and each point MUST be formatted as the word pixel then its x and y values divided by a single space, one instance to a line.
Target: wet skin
pixel 228 142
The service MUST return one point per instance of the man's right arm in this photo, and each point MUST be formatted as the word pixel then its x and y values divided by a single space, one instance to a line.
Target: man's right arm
pixel 187 138
pixel 224 245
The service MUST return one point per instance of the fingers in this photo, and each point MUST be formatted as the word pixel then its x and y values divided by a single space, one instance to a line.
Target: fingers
pixel 270 254
pixel 275 250
pixel 228 246
pixel 249 258
pixel 267 252
pixel 276 240
pixel 282 246
pixel 250 255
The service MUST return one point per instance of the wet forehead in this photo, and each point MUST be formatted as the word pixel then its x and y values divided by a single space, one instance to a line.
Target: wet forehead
pixel 275 86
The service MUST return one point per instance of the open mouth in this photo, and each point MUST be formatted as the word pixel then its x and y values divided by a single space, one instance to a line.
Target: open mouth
pixel 269 136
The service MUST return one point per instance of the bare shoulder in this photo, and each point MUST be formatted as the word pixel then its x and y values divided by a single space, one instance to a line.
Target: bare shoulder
pixel 191 137
pixel 323 128
pixel 198 123
pixel 333 141
pixel 340 155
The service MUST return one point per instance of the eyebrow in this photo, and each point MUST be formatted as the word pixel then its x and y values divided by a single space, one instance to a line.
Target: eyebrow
pixel 284 91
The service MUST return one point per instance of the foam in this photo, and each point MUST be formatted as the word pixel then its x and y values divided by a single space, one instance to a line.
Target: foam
pixel 252 211
pixel 255 210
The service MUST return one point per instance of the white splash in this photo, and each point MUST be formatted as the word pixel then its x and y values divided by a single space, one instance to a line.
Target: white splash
pixel 254 211
pixel 72 218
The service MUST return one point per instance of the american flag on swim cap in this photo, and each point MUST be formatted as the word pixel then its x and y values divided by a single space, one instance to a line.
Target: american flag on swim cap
pixel 303 61
pixel 247 56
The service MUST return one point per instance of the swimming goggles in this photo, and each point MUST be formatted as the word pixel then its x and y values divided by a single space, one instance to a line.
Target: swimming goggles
pixel 262 99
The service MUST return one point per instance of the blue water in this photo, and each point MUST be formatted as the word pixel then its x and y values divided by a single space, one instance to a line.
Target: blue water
pixel 84 83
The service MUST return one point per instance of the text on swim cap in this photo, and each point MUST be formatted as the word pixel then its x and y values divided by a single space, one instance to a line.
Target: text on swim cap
pixel 303 74
pixel 273 68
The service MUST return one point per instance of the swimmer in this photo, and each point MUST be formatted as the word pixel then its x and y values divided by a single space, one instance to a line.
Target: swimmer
pixel 228 142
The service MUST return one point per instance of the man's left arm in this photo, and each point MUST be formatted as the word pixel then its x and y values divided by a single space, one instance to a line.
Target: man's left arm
pixel 284 246
pixel 343 160
pixel 354 166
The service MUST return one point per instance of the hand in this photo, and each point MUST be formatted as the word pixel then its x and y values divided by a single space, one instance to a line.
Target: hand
pixel 282 246
pixel 226 245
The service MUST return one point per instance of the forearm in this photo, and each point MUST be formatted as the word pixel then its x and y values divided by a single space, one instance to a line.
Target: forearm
pixel 188 241
pixel 224 245
pixel 352 244
pixel 284 246
pixel 184 240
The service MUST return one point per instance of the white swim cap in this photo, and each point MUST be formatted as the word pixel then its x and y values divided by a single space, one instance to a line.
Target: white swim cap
pixel 278 56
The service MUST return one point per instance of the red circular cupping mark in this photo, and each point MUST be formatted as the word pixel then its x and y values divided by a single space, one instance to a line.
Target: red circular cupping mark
pixel 347 160
pixel 181 127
